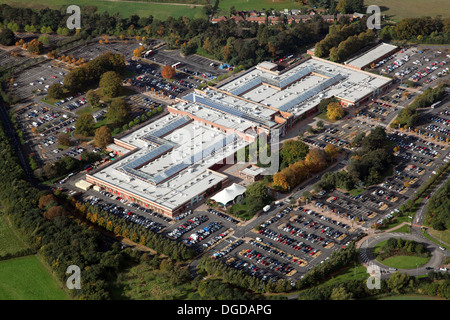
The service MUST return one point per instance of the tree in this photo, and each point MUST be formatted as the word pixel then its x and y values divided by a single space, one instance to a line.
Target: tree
pixel 168 72
pixel 85 124
pixel 7 37
pixel 398 282
pixel 118 111
pixel 93 98
pixel 340 293
pixel 257 190
pixel 103 137
pixel 331 151
pixel 44 39
pixel 47 201
pixel 335 111
pixel 111 84
pixel 342 7
pixel 55 91
pixel 35 46
pixel 76 79
pixel 55 211
pixel 279 179
pixel 49 170
pixel 64 140
pixel 319 124
pixel 292 151
pixel 316 159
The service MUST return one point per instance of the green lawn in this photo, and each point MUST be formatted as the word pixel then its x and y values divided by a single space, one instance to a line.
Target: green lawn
pixel 125 8
pixel 378 247
pixel 426 235
pixel 400 262
pixel 444 236
pixel 9 242
pixel 85 110
pixel 240 210
pixel 359 272
pixel 356 192
pixel 404 229
pixel 405 262
pixel 25 278
pixel 395 222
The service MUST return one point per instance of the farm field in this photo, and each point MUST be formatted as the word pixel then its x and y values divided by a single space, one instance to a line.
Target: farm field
pixel 25 278
pixel 125 8
pixel 394 10
pixel 259 4
pixel 399 9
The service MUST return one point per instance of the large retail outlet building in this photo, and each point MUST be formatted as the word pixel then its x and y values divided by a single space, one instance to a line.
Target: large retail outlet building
pixel 171 164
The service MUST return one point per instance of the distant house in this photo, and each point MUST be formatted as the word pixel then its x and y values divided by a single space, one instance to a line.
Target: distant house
pixel 237 19
pixel 219 19
pixel 258 19
pixel 328 18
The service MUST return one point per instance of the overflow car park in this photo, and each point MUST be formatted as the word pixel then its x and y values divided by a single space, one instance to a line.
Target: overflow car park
pixel 36 80
pixel 193 65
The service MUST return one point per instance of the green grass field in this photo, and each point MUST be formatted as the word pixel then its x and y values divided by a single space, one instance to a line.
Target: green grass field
pixel 125 8
pixel 259 4
pixel 399 9
pixel 400 262
pixel 405 262
pixel 9 242
pixel 359 273
pixel 394 10
pixel 25 278
pixel 442 235
pixel 404 229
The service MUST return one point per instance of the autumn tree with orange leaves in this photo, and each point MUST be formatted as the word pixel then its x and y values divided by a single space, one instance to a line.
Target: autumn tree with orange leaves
pixel 168 72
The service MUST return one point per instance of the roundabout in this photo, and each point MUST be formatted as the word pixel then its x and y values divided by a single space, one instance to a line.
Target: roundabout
pixel 367 257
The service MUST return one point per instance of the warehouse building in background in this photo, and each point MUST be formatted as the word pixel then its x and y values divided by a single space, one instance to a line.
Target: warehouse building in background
pixel 372 56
